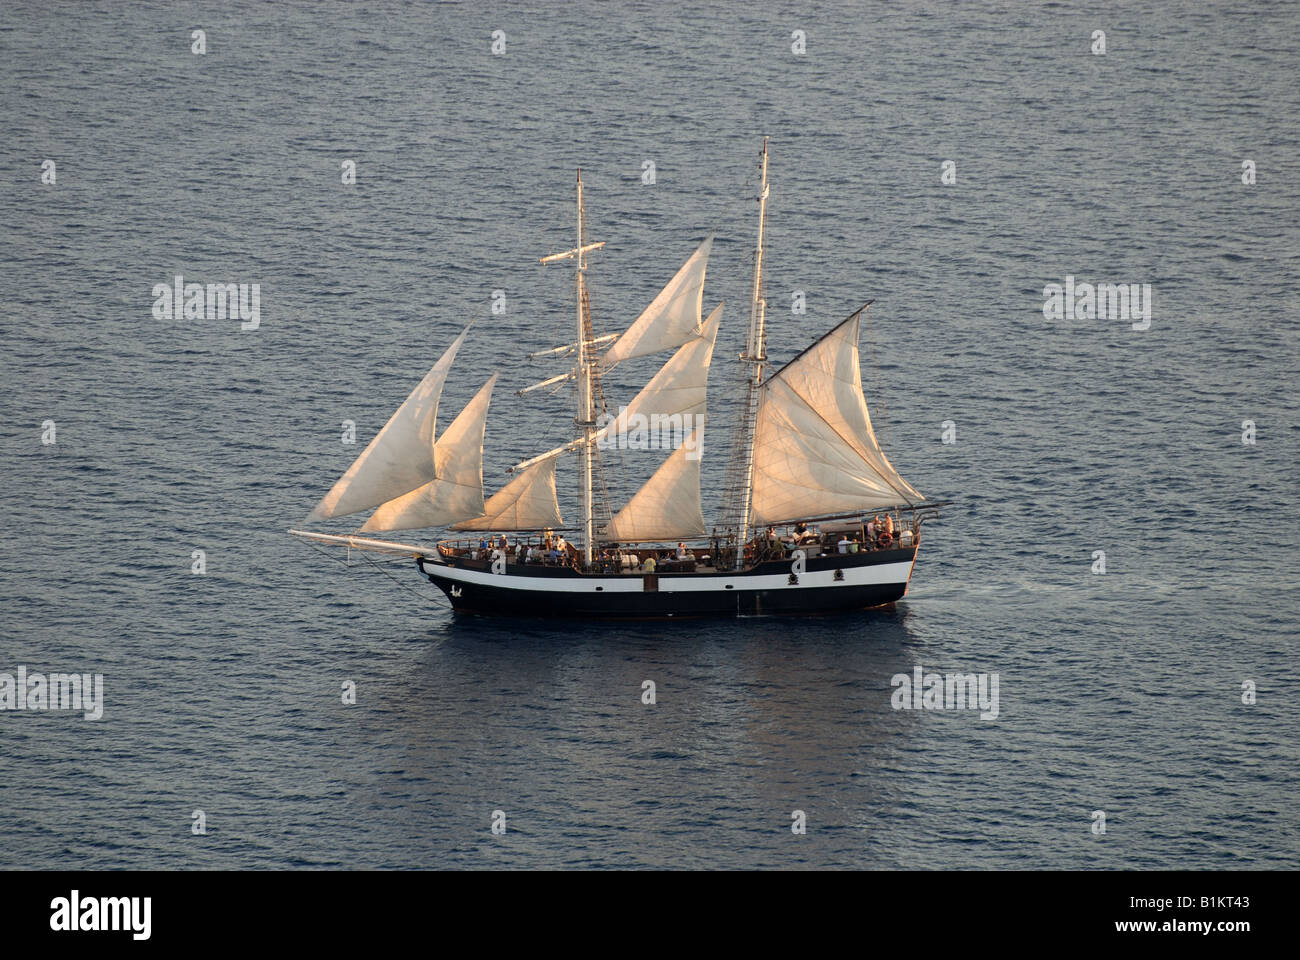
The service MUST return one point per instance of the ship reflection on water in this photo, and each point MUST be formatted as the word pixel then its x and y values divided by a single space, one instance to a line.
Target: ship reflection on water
pixel 550 724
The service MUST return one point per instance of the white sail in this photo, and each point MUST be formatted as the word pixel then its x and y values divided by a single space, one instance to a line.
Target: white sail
pixel 668 506
pixel 815 453
pixel 677 390
pixel 528 502
pixel 672 318
pixel 457 491
pixel 400 457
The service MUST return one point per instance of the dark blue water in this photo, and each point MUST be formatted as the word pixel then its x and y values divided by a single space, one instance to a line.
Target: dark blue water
pixel 1119 692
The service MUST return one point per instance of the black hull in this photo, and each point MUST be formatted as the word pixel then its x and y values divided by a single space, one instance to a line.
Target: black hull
pixel 503 603
pixel 770 589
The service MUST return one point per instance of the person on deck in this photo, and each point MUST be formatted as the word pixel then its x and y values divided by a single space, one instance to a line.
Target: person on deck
pixel 681 552
pixel 887 532
pixel 649 565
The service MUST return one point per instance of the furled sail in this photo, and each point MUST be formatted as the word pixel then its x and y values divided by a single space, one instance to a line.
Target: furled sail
pixel 678 389
pixel 668 506
pixel 528 502
pixel 456 493
pixel 815 453
pixel 672 318
pixel 400 457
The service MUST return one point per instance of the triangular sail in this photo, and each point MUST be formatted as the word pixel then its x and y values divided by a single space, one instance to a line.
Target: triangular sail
pixel 672 318
pixel 668 506
pixel 400 457
pixel 815 453
pixel 678 389
pixel 528 502
pixel 457 492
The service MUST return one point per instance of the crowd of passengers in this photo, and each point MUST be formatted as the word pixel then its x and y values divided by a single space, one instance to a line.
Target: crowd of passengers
pixel 878 533
pixel 881 532
pixel 554 550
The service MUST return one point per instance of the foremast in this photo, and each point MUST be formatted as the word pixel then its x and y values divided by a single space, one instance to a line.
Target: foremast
pixel 753 361
pixel 585 420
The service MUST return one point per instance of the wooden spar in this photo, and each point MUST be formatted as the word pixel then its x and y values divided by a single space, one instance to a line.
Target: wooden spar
pixel 570 347
pixel 860 513
pixel 571 445
pixel 570 253
pixel 546 383
pixel 365 543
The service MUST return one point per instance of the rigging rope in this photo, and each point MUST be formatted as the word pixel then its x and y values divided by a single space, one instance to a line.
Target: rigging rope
pixel 438 596
pixel 876 380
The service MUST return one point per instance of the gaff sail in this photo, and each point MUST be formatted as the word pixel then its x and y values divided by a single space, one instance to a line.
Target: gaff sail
pixel 815 452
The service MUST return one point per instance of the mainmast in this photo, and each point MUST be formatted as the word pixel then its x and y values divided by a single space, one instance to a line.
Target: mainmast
pixel 755 359
pixel 586 419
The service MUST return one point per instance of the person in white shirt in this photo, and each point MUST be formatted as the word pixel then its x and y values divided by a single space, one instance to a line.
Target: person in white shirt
pixel 843 545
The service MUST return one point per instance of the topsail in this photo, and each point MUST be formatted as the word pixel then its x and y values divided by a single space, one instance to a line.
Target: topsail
pixel 678 389
pixel 672 318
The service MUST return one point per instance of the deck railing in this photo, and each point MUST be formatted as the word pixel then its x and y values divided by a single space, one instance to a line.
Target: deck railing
pixel 632 560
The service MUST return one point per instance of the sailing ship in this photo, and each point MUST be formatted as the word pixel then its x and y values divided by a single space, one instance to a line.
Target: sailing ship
pixel 816 518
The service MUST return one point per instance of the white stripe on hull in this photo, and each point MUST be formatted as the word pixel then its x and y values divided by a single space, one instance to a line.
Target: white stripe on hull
pixel 875 575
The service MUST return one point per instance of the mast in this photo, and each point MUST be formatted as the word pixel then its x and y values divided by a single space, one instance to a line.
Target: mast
pixel 586 419
pixel 755 357
pixel 584 373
